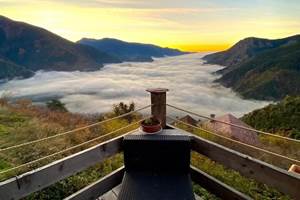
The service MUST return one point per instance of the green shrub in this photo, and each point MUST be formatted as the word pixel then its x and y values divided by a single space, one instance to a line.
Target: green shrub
pixel 281 118
pixel 56 105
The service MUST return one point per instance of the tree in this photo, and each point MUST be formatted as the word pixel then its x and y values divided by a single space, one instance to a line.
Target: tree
pixel 123 108
pixel 56 105
pixel 280 118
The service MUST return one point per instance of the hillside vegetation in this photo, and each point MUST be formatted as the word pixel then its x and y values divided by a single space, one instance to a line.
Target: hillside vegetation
pixel 10 70
pixel 21 122
pixel 260 68
pixel 282 118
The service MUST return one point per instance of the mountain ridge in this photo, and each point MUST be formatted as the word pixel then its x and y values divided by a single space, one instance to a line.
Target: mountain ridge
pixel 35 48
pixel 260 68
pixel 25 48
pixel 130 51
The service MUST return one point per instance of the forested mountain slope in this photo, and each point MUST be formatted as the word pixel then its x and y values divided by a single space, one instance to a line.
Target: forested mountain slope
pixel 261 69
pixel 281 118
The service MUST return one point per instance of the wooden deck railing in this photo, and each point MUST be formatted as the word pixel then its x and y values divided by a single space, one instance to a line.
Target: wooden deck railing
pixel 100 187
pixel 20 186
pixel 35 180
pixel 282 180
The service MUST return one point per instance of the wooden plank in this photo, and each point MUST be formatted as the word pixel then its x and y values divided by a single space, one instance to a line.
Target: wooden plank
pixel 116 190
pixel 215 186
pixel 112 194
pixel 21 186
pixel 278 178
pixel 100 187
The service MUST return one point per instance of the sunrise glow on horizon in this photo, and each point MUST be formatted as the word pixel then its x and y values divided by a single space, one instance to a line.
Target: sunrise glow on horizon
pixel 191 25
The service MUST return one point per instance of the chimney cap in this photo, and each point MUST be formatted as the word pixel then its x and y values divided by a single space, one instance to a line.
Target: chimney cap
pixel 157 90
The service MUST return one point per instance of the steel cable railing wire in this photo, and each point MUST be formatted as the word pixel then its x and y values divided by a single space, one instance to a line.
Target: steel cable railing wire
pixel 72 147
pixel 234 125
pixel 238 142
pixel 73 131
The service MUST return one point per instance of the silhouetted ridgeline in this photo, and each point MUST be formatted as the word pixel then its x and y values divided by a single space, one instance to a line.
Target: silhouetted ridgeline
pixel 25 49
pixel 33 48
pixel 260 68
pixel 129 51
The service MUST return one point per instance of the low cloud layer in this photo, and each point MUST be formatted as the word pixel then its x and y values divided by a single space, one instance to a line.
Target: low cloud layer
pixel 189 80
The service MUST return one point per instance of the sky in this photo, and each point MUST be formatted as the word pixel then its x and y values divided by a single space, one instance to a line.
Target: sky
pixel 192 25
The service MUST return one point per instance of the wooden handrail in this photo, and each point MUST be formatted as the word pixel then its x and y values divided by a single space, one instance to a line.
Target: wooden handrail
pixel 25 184
pixel 98 188
pixel 282 180
pixel 278 178
pixel 215 186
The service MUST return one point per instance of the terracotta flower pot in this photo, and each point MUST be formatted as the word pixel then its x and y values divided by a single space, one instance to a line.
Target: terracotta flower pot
pixel 151 128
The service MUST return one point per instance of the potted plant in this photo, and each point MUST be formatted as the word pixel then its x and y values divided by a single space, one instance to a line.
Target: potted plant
pixel 151 125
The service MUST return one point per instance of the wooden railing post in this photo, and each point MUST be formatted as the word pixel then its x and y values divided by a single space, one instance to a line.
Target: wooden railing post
pixel 158 101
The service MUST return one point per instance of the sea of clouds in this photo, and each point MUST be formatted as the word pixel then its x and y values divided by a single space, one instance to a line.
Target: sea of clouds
pixel 189 80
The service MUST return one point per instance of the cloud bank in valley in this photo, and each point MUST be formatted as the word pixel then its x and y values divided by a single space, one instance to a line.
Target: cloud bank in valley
pixel 189 80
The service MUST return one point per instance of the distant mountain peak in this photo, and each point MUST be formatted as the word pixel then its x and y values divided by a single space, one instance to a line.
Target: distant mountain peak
pixel 130 51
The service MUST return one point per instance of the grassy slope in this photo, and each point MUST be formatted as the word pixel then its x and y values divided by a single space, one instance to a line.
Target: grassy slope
pixel 21 122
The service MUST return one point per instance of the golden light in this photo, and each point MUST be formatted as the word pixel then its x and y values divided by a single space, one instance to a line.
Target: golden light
pixel 162 26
